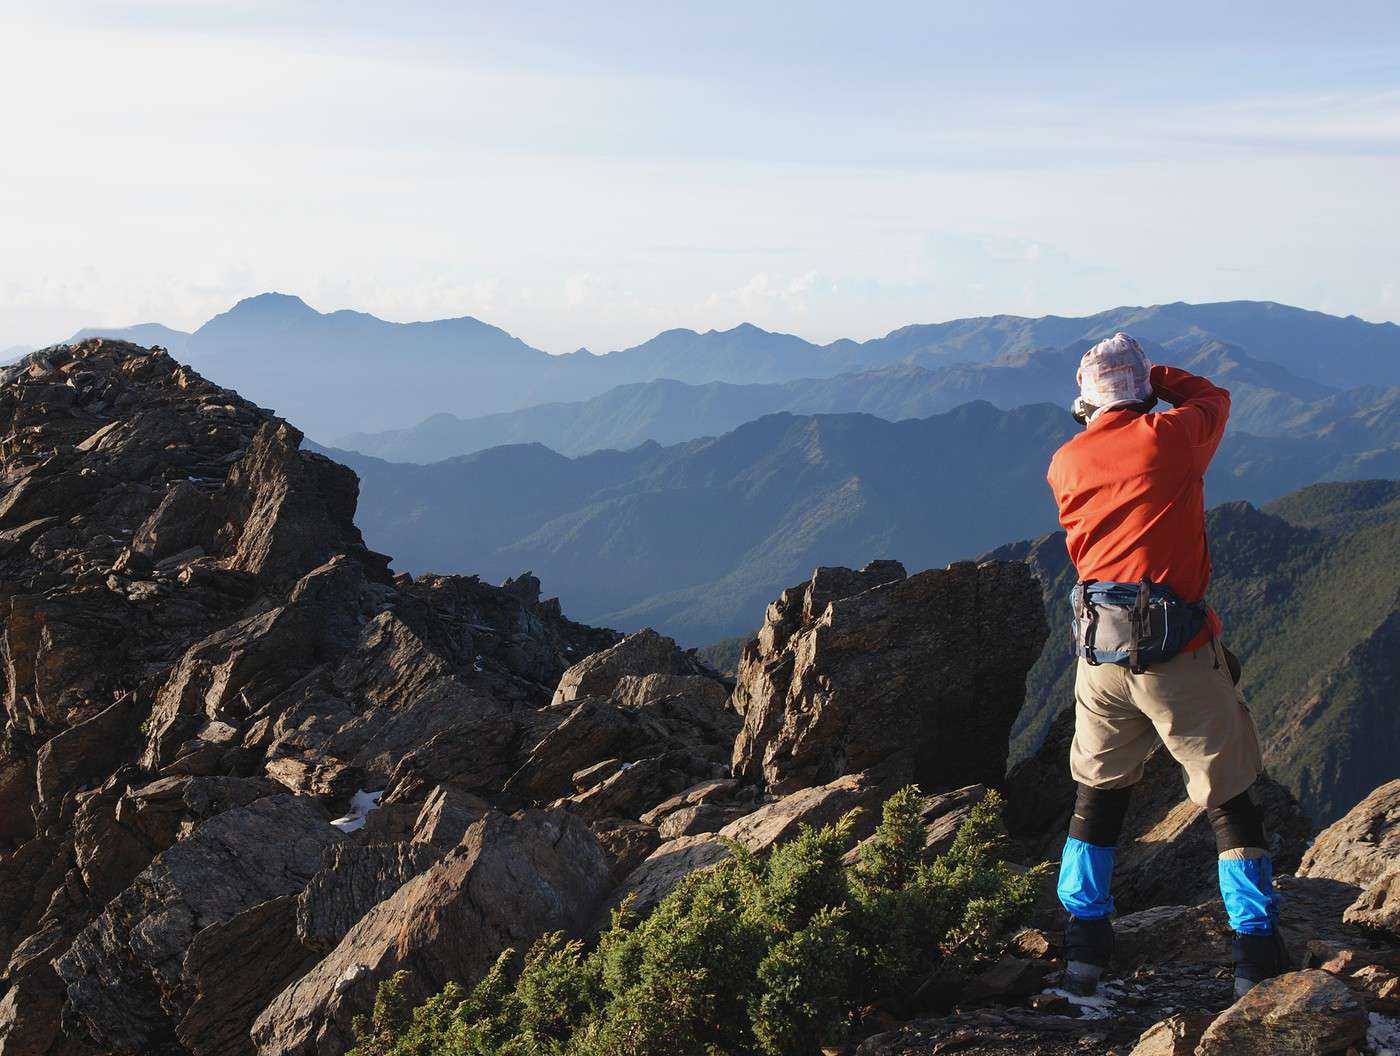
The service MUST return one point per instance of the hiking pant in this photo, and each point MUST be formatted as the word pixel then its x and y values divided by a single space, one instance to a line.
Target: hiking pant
pixel 1191 704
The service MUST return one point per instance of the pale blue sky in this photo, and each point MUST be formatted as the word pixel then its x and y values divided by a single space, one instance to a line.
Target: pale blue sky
pixel 590 174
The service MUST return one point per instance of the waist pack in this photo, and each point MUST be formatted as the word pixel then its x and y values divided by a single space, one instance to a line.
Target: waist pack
pixel 1133 624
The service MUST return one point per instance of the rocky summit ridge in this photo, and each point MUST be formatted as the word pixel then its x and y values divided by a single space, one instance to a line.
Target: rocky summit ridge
pixel 247 774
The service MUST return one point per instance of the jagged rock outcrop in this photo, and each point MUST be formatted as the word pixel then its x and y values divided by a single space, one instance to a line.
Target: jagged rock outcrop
pixel 645 654
pixel 125 972
pixel 511 880
pixel 1362 845
pixel 1363 848
pixel 234 969
pixel 352 880
pixel 201 657
pixel 1311 1013
pixel 853 668
pixel 664 726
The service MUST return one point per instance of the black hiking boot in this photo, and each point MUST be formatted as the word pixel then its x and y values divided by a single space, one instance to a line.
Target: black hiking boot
pixel 1259 957
pixel 1088 949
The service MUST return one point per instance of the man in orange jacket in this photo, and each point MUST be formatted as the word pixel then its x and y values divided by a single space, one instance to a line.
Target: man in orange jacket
pixel 1130 492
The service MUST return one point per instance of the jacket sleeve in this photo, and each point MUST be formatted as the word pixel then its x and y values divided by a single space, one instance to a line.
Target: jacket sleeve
pixel 1199 412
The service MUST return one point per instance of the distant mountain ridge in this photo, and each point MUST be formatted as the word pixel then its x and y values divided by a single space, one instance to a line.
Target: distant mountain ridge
pixel 695 538
pixel 341 372
pixel 1268 400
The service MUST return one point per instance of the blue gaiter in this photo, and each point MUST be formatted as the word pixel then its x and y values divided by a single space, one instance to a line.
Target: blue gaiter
pixel 1247 886
pixel 1086 877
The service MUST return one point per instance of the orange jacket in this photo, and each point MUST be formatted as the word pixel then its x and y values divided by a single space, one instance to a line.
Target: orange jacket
pixel 1131 492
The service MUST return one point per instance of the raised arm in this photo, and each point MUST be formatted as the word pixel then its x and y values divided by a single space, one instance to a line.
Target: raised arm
pixel 1199 412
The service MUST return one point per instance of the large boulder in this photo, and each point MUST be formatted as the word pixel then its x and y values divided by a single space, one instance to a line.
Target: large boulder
pixel 630 727
pixel 58 652
pixel 638 655
pixel 853 668
pixel 353 880
pixel 180 522
pixel 661 871
pixel 126 972
pixel 1378 905
pixel 512 879
pixel 1308 1013
pixel 1177 1035
pixel 234 969
pixel 285 510
pixel 1363 848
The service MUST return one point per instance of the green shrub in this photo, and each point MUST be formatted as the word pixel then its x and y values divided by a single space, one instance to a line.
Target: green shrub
pixel 751 958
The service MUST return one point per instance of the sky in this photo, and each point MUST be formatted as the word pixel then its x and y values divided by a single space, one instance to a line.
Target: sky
pixel 591 174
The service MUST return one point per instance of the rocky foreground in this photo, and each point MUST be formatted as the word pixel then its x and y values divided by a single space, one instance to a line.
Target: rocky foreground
pixel 247 774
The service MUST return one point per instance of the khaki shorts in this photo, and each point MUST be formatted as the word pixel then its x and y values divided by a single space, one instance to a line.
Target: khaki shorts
pixel 1189 703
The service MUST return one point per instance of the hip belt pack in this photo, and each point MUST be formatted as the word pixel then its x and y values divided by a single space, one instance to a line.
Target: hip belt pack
pixel 1132 624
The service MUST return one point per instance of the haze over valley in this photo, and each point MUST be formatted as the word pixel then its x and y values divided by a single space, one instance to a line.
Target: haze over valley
pixel 685 481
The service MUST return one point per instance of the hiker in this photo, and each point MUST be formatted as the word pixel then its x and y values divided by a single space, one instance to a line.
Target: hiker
pixel 1150 660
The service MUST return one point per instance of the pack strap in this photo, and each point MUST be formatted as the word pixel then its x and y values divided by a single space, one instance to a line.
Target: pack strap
pixel 1089 613
pixel 1140 621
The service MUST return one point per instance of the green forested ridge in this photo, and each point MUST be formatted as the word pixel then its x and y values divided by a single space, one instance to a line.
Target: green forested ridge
pixel 1309 589
pixel 768 957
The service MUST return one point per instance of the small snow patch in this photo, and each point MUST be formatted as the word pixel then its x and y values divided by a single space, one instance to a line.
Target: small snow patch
pixel 1102 1005
pixel 350 977
pixel 361 803
pixel 1384 1035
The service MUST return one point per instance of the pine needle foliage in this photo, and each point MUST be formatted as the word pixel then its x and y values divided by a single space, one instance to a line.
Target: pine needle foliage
pixel 750 958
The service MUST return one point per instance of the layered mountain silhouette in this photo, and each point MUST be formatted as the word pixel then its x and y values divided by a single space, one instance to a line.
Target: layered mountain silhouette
pixel 342 372
pixel 1268 400
pixel 1309 590
pixel 695 538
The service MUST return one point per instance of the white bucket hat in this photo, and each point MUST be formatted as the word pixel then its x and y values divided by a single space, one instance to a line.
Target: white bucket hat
pixel 1115 373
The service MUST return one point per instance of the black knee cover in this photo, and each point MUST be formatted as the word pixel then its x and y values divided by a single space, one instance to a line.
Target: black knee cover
pixel 1098 814
pixel 1237 823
